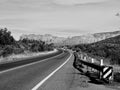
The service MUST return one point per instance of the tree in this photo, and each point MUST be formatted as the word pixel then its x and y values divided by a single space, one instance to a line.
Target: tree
pixel 5 37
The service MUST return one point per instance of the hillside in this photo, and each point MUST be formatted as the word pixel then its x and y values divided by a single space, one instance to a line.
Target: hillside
pixel 90 38
pixel 112 40
pixel 108 48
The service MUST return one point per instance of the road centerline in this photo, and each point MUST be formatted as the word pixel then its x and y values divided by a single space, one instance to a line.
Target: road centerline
pixel 29 64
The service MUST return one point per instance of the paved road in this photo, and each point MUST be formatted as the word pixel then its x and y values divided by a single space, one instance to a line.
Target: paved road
pixel 28 76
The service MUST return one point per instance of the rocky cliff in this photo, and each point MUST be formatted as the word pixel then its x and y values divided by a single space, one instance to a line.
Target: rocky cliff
pixel 88 38
pixel 47 38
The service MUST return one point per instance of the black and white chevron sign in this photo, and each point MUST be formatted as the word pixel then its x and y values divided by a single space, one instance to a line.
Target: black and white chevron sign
pixel 107 72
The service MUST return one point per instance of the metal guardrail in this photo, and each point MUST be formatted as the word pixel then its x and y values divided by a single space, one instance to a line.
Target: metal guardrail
pixel 105 72
pixel 95 66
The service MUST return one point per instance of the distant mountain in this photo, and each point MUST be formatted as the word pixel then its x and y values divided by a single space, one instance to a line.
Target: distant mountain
pixel 47 38
pixel 90 38
pixel 83 39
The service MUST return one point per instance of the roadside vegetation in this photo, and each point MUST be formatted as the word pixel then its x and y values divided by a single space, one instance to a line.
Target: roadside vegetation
pixel 8 45
pixel 108 48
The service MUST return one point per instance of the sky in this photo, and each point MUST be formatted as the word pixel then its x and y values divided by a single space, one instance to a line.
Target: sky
pixel 64 18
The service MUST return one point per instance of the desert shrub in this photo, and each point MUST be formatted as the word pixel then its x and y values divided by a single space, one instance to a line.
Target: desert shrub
pixel 36 46
pixel 18 51
pixel 7 50
pixel 117 77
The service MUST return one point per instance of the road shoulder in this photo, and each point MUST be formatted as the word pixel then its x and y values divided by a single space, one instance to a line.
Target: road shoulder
pixel 68 78
pixel 62 79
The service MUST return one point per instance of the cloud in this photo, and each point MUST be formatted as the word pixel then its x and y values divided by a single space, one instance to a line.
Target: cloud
pixel 74 2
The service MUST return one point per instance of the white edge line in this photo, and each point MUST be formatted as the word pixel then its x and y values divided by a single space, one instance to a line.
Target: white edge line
pixel 46 78
pixel 29 64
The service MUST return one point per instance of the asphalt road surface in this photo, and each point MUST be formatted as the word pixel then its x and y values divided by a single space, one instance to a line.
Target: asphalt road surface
pixel 26 74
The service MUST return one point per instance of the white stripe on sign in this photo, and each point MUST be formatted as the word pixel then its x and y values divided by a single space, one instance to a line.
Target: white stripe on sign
pixel 110 78
pixel 105 69
pixel 45 79
pixel 110 71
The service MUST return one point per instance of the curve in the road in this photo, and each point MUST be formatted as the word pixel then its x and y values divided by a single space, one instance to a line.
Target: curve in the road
pixel 51 74
pixel 18 64
pixel 27 77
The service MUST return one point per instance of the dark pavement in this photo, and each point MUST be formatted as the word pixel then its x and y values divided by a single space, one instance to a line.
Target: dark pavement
pixel 25 78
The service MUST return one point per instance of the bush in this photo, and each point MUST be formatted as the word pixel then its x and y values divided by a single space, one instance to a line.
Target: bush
pixel 117 77
pixel 36 46
pixel 18 51
pixel 7 51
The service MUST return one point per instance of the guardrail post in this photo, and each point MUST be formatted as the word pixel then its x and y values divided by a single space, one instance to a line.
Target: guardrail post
pixel 101 64
pixel 92 60
pixel 81 57
pixel 85 59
